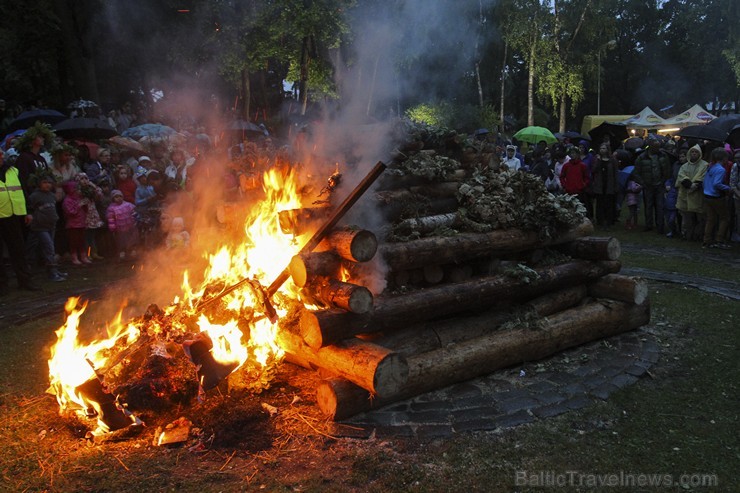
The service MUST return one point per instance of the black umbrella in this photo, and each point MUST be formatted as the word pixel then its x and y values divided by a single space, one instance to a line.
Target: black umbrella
pixel 703 132
pixel 734 137
pixel 634 143
pixel 725 123
pixel 29 118
pixel 85 128
pixel 616 134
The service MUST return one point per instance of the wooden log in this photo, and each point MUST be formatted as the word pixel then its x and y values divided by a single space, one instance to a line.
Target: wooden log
pixel 376 369
pixel 326 327
pixel 458 273
pixel 299 221
pixel 593 248
pixel 412 206
pixel 621 288
pixel 428 224
pixel 469 359
pixel 435 334
pixel 356 245
pixel 305 267
pixel 338 294
pixel 464 247
pixel 433 274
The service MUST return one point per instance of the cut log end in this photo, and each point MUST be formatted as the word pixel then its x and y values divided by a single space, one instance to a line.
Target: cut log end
pixel 391 375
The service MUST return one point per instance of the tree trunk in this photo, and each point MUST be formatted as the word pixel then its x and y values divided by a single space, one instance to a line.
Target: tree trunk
pixel 475 357
pixel 343 295
pixel 530 85
pixel 620 288
pixel 299 221
pixel 246 94
pixel 305 267
pixel 326 327
pixel 378 370
pixel 356 245
pixel 464 247
pixel 427 224
pixel 502 115
pixel 563 112
pixel 393 182
pixel 305 61
pixel 435 334
pixel 593 248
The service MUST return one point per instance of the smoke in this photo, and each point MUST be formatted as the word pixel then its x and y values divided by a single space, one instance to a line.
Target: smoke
pixel 402 52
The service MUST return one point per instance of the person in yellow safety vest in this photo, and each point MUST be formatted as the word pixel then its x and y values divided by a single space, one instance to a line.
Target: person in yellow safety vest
pixel 12 212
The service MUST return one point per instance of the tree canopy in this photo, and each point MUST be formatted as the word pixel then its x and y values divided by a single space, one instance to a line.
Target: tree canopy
pixel 554 59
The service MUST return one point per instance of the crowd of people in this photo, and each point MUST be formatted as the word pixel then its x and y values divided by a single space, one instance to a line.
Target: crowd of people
pixel 75 202
pixel 686 189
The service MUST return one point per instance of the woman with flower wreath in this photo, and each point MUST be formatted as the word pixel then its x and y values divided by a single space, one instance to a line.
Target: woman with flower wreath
pixel 30 161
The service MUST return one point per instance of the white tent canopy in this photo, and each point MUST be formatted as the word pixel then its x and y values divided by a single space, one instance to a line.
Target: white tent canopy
pixel 696 115
pixel 646 118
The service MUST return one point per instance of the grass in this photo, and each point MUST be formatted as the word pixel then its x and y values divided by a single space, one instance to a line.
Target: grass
pixel 683 419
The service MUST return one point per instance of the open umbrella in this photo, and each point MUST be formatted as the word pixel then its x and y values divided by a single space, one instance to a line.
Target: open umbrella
pixel 624 174
pixel 9 138
pixel 84 128
pixel 615 133
pixel 725 123
pixel 153 130
pixel 703 132
pixel 29 118
pixel 127 143
pixel 634 143
pixel 534 134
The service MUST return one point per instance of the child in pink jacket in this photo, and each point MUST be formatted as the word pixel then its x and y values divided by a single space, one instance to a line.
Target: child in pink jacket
pixel 122 224
pixel 75 208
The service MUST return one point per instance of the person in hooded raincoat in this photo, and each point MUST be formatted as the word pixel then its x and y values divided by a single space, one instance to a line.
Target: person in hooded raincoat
pixel 690 196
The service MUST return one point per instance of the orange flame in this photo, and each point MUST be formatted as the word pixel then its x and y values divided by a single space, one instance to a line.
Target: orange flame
pixel 262 255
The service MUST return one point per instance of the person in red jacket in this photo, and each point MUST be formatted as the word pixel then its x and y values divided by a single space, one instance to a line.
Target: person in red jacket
pixel 574 176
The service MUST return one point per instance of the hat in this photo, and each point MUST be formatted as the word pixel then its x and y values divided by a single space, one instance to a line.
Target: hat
pixel 511 147
pixel 152 172
pixel 145 158
pixel 115 193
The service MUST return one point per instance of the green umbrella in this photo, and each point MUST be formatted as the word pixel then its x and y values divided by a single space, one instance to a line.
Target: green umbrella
pixel 534 134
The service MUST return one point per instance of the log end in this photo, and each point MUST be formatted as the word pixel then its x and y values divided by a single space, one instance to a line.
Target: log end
pixel 339 399
pixel 613 249
pixel 364 246
pixel 361 300
pixel 298 271
pixel 391 375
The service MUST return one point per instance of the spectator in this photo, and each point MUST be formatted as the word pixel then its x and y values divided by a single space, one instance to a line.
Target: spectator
pixel 125 184
pixel 42 208
pixel 652 169
pixel 574 176
pixel 29 147
pixel 689 200
pixel 122 224
pixel 91 196
pixel 510 161
pixel 735 185
pixel 605 185
pixel 632 199
pixel 12 216
pixel 75 220
pixel 715 205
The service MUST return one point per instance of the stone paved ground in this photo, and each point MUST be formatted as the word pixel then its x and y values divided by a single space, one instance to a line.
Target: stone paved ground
pixel 569 380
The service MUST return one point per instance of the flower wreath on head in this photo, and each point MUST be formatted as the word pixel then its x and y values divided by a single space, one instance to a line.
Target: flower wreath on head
pixel 24 142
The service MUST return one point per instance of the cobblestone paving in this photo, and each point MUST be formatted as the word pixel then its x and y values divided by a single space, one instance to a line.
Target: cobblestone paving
pixel 569 380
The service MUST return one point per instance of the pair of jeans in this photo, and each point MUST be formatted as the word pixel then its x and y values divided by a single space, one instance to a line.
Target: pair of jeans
pixel 41 244
pixel 652 196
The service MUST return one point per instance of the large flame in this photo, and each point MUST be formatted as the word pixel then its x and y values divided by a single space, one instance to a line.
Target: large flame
pixel 261 256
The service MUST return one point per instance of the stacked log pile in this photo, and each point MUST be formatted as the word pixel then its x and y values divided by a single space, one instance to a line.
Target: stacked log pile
pixel 468 292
